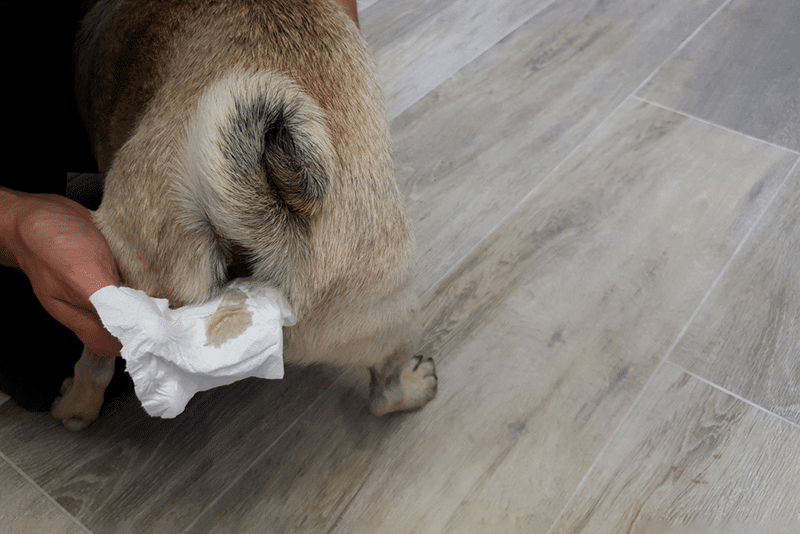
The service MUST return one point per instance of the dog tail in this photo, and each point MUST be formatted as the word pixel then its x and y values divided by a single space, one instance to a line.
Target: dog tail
pixel 257 133
pixel 255 163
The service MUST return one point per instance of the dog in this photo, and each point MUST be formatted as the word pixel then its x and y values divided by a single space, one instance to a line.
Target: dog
pixel 248 138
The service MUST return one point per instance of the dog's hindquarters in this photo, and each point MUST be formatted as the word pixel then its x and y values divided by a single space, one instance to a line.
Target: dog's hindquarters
pixel 249 138
pixel 230 186
pixel 254 187
pixel 253 171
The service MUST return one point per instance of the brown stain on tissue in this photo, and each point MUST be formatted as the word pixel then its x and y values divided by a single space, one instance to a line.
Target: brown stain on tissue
pixel 230 320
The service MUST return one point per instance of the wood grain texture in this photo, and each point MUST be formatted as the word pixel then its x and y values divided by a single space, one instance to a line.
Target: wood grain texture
pixel 647 206
pixel 497 267
pixel 691 458
pixel 421 43
pixel 568 232
pixel 473 148
pixel 746 338
pixel 132 473
pixel 742 71
pixel 364 4
pixel 25 510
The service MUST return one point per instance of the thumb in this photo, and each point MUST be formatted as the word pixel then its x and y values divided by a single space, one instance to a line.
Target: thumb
pixel 89 328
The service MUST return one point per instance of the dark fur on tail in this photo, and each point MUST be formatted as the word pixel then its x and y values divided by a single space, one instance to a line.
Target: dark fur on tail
pixel 272 134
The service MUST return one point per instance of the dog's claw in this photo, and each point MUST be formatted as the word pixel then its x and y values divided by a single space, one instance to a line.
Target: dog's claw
pixel 416 386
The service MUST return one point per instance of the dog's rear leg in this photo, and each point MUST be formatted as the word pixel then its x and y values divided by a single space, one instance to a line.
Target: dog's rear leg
pixel 82 395
pixel 402 384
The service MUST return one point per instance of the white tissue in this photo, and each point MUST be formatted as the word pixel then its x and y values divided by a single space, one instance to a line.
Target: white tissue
pixel 168 353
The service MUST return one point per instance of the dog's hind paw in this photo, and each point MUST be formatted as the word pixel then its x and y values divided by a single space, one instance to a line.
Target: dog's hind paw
pixel 415 385
pixel 78 405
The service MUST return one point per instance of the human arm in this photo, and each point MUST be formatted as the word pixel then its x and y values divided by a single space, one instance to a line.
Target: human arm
pixel 56 243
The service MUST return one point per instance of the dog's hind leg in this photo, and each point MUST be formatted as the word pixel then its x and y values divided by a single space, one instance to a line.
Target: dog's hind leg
pixel 82 395
pixel 402 384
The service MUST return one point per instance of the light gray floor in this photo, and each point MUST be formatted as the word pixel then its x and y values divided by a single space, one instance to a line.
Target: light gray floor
pixel 607 204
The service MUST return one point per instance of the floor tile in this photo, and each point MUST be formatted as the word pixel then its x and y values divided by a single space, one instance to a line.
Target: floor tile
pixel 473 148
pixel 25 510
pixel 571 235
pixel 692 459
pixel 741 71
pixel 130 473
pixel 746 337
pixel 421 43
pixel 645 219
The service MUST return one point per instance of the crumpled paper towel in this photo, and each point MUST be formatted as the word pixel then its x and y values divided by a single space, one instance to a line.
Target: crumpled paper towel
pixel 173 354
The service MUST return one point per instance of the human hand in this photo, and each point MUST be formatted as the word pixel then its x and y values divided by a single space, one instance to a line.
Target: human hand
pixel 56 243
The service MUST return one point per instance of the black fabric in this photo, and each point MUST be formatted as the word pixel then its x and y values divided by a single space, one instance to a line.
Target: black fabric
pixel 38 352
pixel 46 138
pixel 86 189
pixel 45 141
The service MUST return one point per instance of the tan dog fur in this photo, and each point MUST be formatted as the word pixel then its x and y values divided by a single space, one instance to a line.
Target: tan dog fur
pixel 249 137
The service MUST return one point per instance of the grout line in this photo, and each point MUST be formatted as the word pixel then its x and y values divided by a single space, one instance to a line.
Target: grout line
pixel 548 177
pixel 739 247
pixel 530 194
pixel 635 402
pixel 470 60
pixel 46 495
pixel 681 46
pixel 732 394
pixel 536 188
pixel 709 123
pixel 678 338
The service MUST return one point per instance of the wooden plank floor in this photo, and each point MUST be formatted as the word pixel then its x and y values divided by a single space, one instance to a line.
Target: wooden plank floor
pixel 25 508
pixel 607 204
